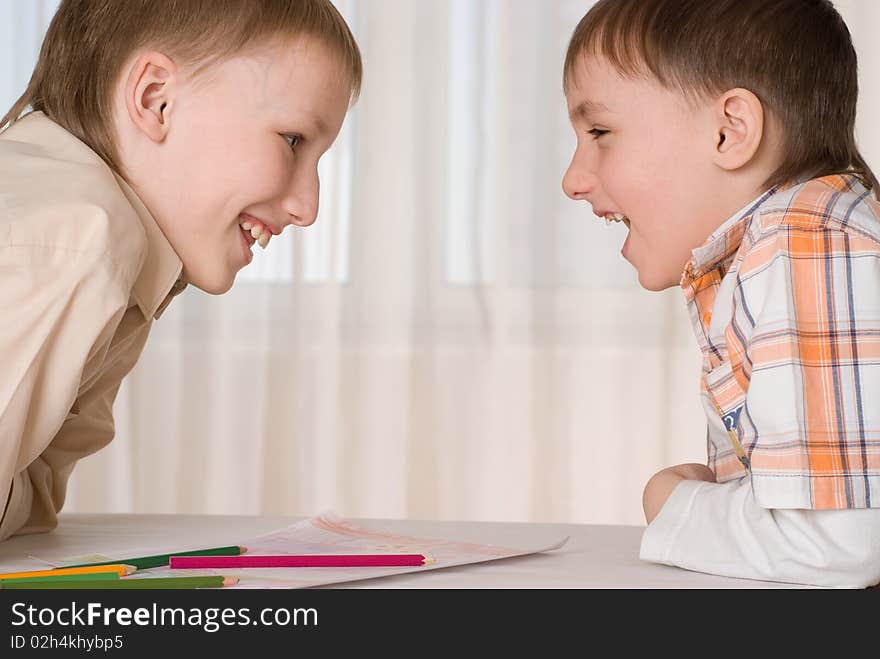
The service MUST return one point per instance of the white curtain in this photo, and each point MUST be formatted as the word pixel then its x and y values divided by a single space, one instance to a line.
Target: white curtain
pixel 453 338
pixel 22 24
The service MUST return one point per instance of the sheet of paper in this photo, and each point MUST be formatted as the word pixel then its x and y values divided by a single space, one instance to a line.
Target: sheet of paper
pixel 331 534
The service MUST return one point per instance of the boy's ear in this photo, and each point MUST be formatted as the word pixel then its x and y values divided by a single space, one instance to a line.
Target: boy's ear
pixel 150 92
pixel 740 128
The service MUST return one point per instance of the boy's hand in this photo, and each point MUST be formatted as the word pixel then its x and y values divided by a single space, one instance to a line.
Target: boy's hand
pixel 662 483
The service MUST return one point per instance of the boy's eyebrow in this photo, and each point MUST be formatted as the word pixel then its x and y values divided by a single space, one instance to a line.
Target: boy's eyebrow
pixel 320 124
pixel 586 108
pixel 312 122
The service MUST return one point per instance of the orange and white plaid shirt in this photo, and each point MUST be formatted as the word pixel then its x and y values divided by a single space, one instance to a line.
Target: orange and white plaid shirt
pixel 785 302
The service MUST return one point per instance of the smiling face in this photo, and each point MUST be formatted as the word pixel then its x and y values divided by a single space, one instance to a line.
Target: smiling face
pixel 237 145
pixel 644 153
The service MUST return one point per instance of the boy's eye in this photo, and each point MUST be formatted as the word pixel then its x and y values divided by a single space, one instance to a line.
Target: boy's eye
pixel 597 133
pixel 292 140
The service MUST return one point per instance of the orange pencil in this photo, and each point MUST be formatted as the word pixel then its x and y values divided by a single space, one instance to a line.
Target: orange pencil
pixel 121 570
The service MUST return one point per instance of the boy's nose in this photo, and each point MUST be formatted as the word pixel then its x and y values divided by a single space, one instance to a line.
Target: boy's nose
pixel 578 181
pixel 304 216
pixel 301 203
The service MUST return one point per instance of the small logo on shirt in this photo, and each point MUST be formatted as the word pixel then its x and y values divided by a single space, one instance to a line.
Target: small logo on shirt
pixel 731 419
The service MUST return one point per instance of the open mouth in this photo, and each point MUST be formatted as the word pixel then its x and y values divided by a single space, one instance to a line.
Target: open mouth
pixel 616 217
pixel 255 232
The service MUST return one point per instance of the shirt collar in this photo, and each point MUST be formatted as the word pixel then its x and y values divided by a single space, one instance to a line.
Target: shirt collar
pixel 159 279
pixel 724 242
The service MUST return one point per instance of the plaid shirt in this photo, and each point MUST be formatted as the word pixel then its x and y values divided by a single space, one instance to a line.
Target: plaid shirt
pixel 785 302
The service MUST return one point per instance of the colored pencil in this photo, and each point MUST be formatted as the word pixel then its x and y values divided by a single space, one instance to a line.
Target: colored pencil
pixel 115 568
pixel 159 583
pixel 88 576
pixel 309 560
pixel 146 562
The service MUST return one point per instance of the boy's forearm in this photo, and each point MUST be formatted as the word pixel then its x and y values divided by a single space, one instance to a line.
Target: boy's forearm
pixel 661 485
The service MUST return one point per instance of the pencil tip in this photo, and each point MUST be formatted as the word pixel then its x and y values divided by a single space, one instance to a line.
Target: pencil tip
pixel 130 569
pixel 230 581
pixel 427 560
pixel 243 550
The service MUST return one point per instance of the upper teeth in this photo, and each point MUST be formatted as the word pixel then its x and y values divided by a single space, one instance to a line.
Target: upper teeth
pixel 614 217
pixel 259 232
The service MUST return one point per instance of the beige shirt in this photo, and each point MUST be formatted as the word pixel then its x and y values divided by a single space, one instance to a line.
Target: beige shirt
pixel 84 270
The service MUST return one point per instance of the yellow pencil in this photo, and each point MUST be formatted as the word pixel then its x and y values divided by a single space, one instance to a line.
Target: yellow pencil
pixel 121 570
pixel 737 446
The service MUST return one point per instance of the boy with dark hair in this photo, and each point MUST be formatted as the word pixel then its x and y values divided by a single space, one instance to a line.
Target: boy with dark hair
pixel 722 135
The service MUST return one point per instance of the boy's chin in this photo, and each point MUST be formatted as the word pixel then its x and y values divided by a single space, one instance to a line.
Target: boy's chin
pixel 217 289
pixel 655 282
pixel 214 284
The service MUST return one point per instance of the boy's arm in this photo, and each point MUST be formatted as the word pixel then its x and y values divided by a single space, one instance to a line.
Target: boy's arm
pixel 663 483
pixel 90 429
pixel 60 310
pixel 719 528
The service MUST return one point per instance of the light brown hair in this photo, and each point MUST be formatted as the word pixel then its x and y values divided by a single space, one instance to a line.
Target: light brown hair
pixel 88 41
pixel 796 56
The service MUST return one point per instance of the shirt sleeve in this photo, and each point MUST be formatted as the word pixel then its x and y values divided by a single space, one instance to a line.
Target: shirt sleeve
pixel 719 528
pixel 63 309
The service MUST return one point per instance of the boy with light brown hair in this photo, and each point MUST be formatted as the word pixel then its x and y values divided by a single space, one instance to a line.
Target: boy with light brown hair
pixel 722 135
pixel 160 140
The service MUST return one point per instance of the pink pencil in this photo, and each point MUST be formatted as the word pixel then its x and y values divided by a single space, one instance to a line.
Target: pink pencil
pixel 308 560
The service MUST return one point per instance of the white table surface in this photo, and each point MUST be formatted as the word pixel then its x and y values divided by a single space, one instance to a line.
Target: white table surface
pixel 595 556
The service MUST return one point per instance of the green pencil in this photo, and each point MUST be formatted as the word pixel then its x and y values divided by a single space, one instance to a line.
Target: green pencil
pixel 160 560
pixel 93 576
pixel 159 583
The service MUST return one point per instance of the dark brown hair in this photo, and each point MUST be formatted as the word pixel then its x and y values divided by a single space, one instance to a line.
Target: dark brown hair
pixel 88 41
pixel 796 56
